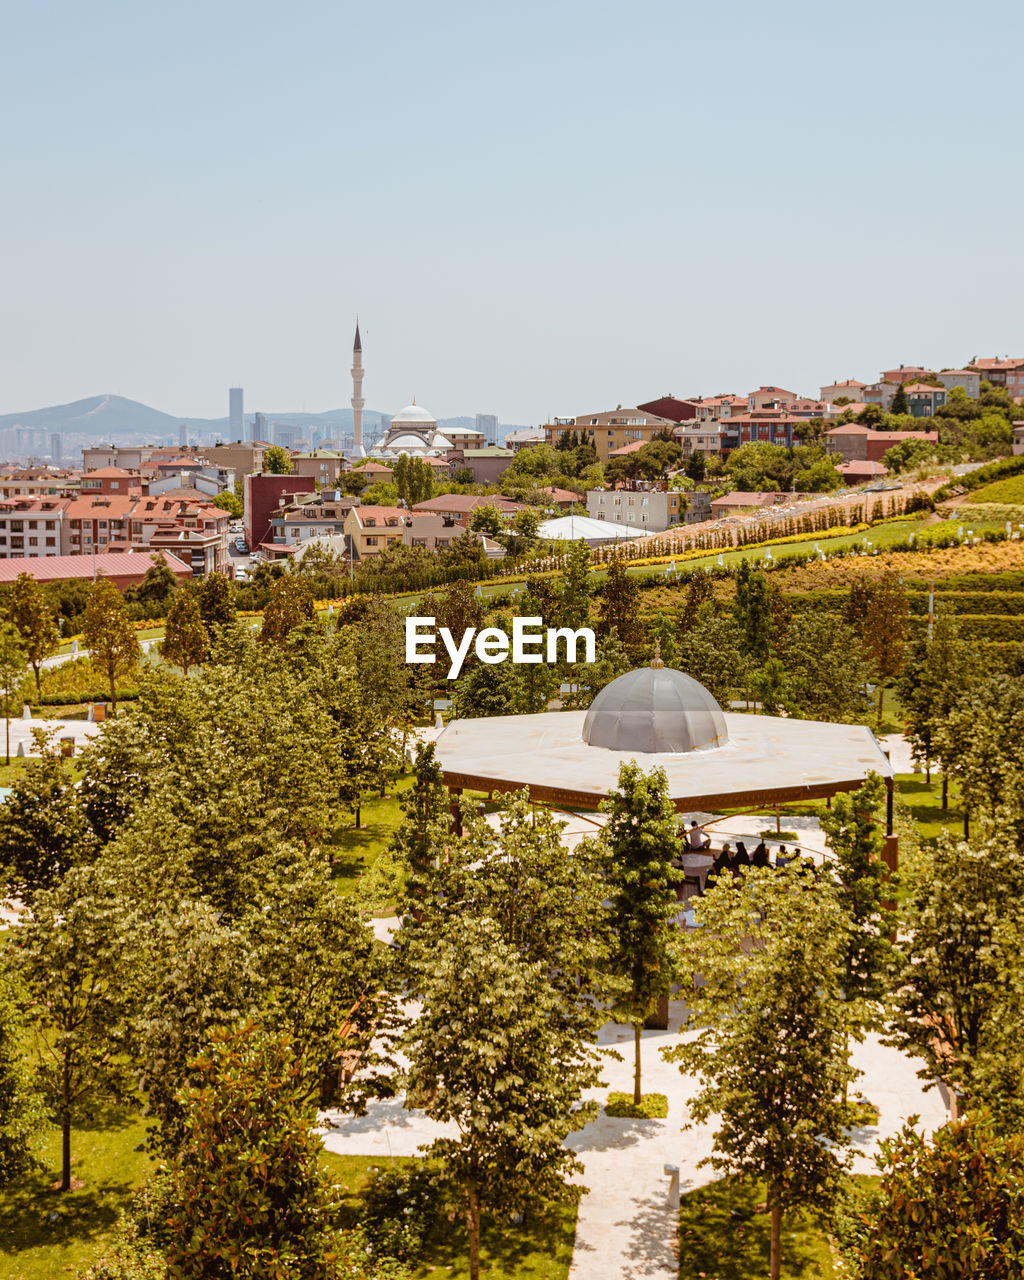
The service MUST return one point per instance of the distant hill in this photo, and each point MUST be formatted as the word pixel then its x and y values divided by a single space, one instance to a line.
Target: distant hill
pixel 109 417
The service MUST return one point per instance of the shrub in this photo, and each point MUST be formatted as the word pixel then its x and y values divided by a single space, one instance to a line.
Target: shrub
pixel 653 1106
pixel 400 1206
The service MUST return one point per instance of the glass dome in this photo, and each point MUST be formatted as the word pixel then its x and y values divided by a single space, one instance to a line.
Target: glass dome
pixel 655 709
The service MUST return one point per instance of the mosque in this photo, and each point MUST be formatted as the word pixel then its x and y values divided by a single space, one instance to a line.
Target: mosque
pixel 413 431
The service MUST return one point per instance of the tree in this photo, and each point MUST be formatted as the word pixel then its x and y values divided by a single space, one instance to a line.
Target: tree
pixel 712 653
pixel 489 1054
pixel 946 1206
pixel 26 607
pixel 956 992
pixel 424 825
pixel 696 466
pixel 825 668
pixel 21 1111
pixel 186 641
pixel 898 404
pixel 290 604
pixel 879 612
pixel 246 1194
pixel 43 826
pixel 231 503
pixel 13 660
pixel 752 611
pixel 159 584
pixel 937 671
pixel 978 743
pixel 278 461
pixel 72 959
pixel 109 635
pixel 216 606
pixel 767 1036
pixel 620 608
pixel 640 842
pixel 575 590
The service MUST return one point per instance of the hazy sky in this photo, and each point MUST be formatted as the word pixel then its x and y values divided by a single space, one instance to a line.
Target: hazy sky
pixel 535 208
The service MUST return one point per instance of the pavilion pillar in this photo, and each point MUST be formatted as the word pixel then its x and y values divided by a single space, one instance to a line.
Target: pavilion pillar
pixel 455 809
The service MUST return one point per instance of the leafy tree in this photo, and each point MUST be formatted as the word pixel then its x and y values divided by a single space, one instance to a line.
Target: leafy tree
pixel 589 678
pixel 25 605
pixel 109 635
pixel 620 608
pixel 13 660
pixel 936 672
pixel 246 1193
pixel 712 653
pixel 696 466
pixel 825 668
pixel 380 494
pixel 21 1111
pixel 72 957
pixel 278 461
pixel 489 1054
pixel 216 605
pixel 487 519
pixel 767 1036
pixel 575 588
pixel 878 610
pixel 524 532
pixel 503 689
pixel 898 404
pixel 699 591
pixel 752 611
pixel 978 743
pixel 186 641
pixel 946 1206
pixel 229 502
pixel 158 585
pixel 640 842
pixel 419 838
pixel 289 605
pixel 43 826
pixel 956 996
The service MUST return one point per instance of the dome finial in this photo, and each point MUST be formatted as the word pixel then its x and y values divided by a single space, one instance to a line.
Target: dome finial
pixel 656 661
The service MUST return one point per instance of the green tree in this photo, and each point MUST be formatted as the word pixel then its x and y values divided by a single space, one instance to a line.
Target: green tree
pixel 246 1194
pixel 216 605
pixel 620 608
pixel 696 466
pixel 43 826
pixel 956 992
pixel 72 959
pixel 575 588
pixel 487 519
pixel 898 404
pixel 25 606
pixel 978 744
pixel 766 1036
pixel 159 584
pixel 109 634
pixel 278 461
pixel 21 1110
pixel 186 641
pixel 752 611
pixel 13 660
pixel 825 668
pixel 289 605
pixel 229 502
pixel 712 653
pixel 421 835
pixel 947 1206
pixel 879 612
pixel 639 842
pixel 489 1054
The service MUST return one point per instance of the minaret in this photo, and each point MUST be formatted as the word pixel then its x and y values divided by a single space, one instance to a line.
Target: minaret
pixel 357 394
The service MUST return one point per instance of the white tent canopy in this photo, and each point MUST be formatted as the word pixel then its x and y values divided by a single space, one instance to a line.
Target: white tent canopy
pixel 569 528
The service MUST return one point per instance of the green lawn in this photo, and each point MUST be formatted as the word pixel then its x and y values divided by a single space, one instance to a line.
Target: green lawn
pixel 721 1237
pixel 355 849
pixel 1009 491
pixel 924 800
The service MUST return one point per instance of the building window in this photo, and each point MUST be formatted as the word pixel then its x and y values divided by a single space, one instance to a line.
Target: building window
pixel 51 542
pixel 371 542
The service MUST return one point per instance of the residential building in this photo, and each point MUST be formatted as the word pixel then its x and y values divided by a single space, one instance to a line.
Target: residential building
pixel 649 507
pixel 720 408
pixel 854 443
pixel 100 522
pixel 731 504
pixel 767 426
pixel 861 472
pixel 922 399
pixel 672 408
pixel 904 373
pixel 262 493
pixel 1018 437
pixel 1008 373
pixel 117 480
pixel 123 569
pixel 240 456
pixel 527 438
pixel 460 506
pixel 197 533
pixel 563 499
pixel 769 398
pixel 880 393
pixel 968 379
pixel 610 429
pixel 486 464
pixel 32 527
pixel 849 389
pixel 305 516
pixel 707 438
pixel 39 482
pixel 324 465
pixel 371 530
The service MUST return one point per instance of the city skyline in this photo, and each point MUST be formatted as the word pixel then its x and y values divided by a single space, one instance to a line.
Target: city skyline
pixel 537 211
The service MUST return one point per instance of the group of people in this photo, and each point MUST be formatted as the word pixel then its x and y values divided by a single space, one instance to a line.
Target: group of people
pixel 730 861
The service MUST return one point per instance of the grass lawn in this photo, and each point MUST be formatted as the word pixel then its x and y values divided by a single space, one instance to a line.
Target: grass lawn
pixel 722 1238
pixel 924 800
pixel 540 1249
pixel 1009 491
pixel 357 848
pixel 44 1234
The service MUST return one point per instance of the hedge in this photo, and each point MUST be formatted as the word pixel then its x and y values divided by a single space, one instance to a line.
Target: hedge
pixel 986 627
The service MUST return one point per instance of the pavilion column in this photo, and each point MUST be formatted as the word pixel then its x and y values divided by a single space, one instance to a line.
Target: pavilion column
pixel 455 809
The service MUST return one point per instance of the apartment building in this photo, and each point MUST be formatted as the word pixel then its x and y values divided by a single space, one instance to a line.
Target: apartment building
pixel 309 515
pixel 322 465
pixel 197 533
pixel 647 508
pixel 39 482
pixel 1008 373
pixel 100 522
pixel 854 443
pixel 922 399
pixel 31 527
pixel 460 506
pixel 610 429
pixel 848 389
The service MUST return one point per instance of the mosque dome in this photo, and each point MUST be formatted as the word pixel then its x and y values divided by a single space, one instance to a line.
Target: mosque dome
pixel 655 709
pixel 414 413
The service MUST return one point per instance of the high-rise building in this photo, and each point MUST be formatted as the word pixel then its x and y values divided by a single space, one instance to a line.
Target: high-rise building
pixel 357 394
pixel 236 413
pixel 56 447
pixel 487 425
pixel 259 427
pixel 183 435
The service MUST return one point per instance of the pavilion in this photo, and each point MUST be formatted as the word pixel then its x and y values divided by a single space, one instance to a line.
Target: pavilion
pixel 661 718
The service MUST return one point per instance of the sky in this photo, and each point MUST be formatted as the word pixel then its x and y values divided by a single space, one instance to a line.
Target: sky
pixel 535 209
